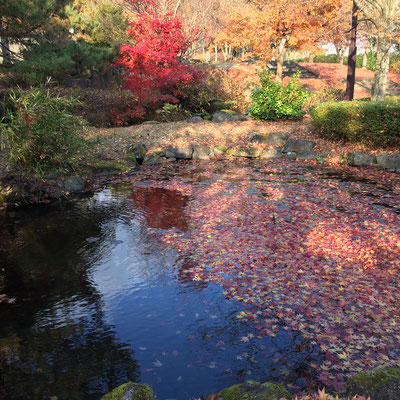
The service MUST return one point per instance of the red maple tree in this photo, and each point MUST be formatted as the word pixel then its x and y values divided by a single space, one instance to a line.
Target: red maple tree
pixel 152 61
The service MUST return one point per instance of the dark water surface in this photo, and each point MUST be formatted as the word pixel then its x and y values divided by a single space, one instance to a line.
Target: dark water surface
pixel 101 300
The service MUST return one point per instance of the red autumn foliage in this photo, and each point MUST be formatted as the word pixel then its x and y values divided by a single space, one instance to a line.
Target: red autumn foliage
pixel 152 62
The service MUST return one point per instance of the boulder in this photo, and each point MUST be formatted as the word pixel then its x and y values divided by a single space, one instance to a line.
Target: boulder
pixel 290 155
pixel 131 391
pixel 298 146
pixel 378 384
pixel 359 159
pixel 252 390
pixel 73 184
pixel 69 81
pixel 84 83
pixel 137 151
pixel 220 150
pixel 196 119
pixel 247 152
pixel 271 154
pixel 154 159
pixel 202 152
pixel 275 138
pixel 98 82
pixel 108 77
pixel 389 161
pixel 307 156
pixel 228 116
pixel 184 153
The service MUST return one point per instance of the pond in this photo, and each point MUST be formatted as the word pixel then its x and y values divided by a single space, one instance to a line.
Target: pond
pixel 194 277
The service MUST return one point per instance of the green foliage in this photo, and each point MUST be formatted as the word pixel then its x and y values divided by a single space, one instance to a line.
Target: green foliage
pixel 61 38
pixel 55 60
pixel 325 58
pixel 278 101
pixel 40 133
pixel 359 121
pixel 102 24
pixel 23 18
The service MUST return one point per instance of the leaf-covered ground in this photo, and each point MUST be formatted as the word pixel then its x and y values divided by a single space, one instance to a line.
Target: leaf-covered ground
pixel 302 248
pixel 110 143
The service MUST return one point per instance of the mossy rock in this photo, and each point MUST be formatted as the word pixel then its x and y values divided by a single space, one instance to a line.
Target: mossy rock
pixel 379 384
pixel 120 166
pixel 137 151
pixel 131 159
pixel 131 391
pixel 251 390
pixel 247 152
pixel 224 149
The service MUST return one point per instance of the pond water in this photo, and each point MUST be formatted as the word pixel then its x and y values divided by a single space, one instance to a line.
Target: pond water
pixel 193 278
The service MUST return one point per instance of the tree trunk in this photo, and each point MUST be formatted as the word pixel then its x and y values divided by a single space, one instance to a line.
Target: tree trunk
pixel 280 59
pixel 311 58
pixel 5 51
pixel 365 59
pixel 226 52
pixel 216 52
pixel 381 70
pixel 338 54
pixel 351 69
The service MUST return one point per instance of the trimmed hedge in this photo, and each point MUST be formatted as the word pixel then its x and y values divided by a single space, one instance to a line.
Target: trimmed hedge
pixel 376 124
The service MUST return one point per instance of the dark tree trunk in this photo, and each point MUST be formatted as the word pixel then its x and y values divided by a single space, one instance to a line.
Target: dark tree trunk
pixel 351 69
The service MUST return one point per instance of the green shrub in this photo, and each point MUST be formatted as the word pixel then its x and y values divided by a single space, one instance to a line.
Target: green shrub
pixel 40 133
pixel 325 58
pixel 376 124
pixel 275 100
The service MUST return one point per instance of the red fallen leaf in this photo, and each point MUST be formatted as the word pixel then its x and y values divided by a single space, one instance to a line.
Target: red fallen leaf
pixel 147 252
pixel 343 298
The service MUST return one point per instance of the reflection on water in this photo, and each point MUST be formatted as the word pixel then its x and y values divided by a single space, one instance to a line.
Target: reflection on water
pixel 100 301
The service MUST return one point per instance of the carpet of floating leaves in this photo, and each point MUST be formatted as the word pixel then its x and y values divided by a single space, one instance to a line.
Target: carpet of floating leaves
pixel 302 248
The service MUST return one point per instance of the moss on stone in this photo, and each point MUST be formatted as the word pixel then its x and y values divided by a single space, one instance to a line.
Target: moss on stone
pixel 132 159
pixel 224 149
pixel 119 165
pixel 251 390
pixel 131 391
pixel 379 384
pixel 248 152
